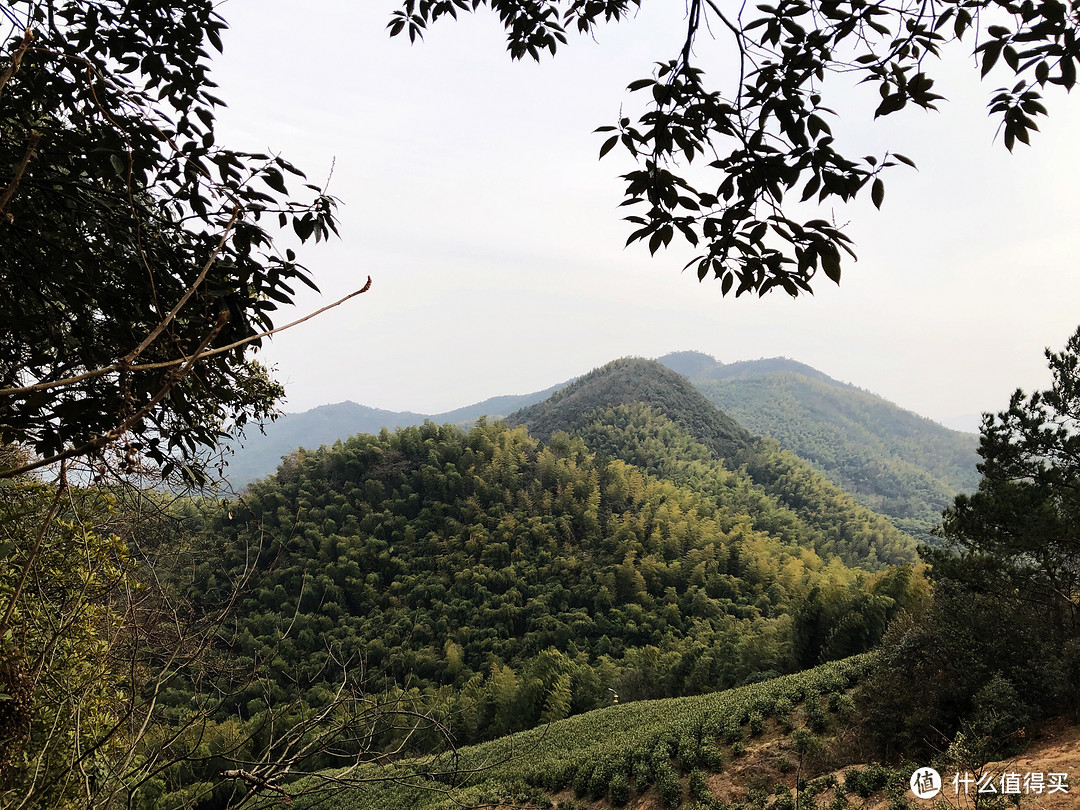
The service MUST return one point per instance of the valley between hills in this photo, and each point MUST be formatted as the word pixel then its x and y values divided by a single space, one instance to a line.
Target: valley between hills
pixel 663 584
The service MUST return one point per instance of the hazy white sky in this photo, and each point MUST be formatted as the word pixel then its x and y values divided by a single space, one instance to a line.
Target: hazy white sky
pixel 473 197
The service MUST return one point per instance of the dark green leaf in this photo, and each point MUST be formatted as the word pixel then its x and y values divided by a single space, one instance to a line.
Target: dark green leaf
pixel 877 192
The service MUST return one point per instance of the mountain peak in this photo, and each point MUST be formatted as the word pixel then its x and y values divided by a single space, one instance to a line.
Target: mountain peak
pixel 631 380
pixel 690 364
pixel 700 367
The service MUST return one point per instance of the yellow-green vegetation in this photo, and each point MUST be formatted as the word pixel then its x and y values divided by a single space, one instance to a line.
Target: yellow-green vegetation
pixel 61 568
pixel 514 582
pixel 689 427
pixel 620 752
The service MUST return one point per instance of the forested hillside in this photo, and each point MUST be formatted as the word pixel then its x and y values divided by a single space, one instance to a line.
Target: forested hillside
pixel 893 461
pixel 860 537
pixel 516 581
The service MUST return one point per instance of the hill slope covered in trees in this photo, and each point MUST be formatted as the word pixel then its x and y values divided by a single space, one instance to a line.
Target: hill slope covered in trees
pixel 511 580
pixel 792 482
pixel 892 460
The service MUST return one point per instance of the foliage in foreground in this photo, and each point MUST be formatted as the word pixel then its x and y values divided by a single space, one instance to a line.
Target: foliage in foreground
pixel 140 263
pixel 764 131
pixel 1001 647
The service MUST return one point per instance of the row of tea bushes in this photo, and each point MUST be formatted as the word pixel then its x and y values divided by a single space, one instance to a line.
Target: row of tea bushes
pixel 615 752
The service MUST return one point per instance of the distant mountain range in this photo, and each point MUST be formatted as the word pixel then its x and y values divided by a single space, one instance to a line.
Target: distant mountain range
pixel 896 462
pixel 261 453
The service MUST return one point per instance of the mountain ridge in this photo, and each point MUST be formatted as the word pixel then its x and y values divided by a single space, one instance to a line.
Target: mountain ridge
pixel 259 454
pixel 892 460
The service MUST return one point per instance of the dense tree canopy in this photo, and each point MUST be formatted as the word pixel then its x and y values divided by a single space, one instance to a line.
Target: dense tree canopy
pixel 1000 648
pixel 1022 527
pixel 766 130
pixel 515 582
pixel 139 266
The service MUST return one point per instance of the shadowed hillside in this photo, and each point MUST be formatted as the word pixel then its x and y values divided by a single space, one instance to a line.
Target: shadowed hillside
pixel 894 461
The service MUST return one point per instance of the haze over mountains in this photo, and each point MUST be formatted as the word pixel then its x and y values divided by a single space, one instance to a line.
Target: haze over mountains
pixel 893 461
pixel 325 424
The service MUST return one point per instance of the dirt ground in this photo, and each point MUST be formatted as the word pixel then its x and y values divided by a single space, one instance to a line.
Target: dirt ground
pixel 768 761
pixel 1056 750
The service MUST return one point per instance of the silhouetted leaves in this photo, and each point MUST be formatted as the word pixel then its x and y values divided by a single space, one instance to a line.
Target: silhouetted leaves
pixel 767 131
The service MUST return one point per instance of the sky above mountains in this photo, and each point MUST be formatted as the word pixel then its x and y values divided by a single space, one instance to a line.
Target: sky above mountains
pixel 473 197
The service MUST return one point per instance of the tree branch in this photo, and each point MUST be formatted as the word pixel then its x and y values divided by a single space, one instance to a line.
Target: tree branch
pixel 16 59
pixel 9 191
pixel 161 327
pixel 118 431
pixel 45 386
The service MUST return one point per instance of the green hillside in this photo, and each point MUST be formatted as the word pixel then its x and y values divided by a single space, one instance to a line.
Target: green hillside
pixel 661 751
pixel 501 581
pixel 850 531
pixel 644 543
pixel 629 381
pixel 530 578
pixel 895 462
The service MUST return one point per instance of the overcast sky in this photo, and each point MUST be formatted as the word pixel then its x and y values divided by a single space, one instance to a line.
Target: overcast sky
pixel 473 196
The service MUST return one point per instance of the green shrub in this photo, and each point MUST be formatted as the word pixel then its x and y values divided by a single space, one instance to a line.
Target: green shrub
pixel 642 772
pixel 557 775
pixel 868 781
pixel 668 787
pixel 600 780
pixel 732 733
pixel 757 797
pixel 843 706
pixel 619 789
pixel 699 789
pixel 816 717
pixel 784 799
pixel 583 780
pixel 757 724
pixel 711 758
pixel 689 752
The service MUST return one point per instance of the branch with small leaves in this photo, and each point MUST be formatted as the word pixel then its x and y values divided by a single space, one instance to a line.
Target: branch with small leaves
pixel 774 152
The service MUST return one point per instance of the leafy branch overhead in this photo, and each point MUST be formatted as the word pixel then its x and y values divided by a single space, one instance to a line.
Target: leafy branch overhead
pixel 767 132
pixel 140 262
